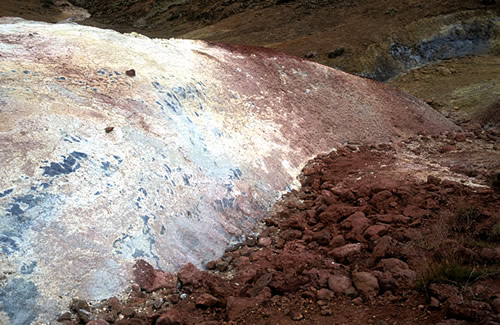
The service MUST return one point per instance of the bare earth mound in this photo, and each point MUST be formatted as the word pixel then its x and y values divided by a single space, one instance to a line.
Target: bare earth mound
pixel 119 147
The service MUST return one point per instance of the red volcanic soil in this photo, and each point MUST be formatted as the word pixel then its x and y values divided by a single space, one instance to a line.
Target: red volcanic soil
pixel 370 238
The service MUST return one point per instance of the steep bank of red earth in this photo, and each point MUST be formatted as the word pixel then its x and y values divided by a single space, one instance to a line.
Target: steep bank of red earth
pixel 400 233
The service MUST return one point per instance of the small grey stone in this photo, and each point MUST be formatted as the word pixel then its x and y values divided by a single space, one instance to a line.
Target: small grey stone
pixel 64 317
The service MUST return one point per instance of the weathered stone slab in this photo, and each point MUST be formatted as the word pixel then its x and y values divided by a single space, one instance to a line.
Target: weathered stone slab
pixel 99 168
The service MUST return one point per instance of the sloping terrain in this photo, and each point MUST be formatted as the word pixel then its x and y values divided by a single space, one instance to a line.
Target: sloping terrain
pixel 118 147
pixel 124 158
pixel 384 234
pixel 379 39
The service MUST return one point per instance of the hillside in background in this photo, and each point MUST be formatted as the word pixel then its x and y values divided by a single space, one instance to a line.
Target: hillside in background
pixel 443 52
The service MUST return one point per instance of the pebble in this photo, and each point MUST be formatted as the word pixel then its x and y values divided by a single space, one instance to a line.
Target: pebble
pixel 296 316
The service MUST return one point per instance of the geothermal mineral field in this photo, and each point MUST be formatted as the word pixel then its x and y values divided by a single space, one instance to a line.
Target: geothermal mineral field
pixel 117 147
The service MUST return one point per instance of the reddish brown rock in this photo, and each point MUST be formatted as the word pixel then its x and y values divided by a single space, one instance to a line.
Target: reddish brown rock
pixel 174 298
pixel 79 304
pixel 347 252
pixel 293 222
pixel 64 317
pixel 385 218
pixel 128 312
pixel 357 301
pixel 210 265
pixel 375 231
pixel 322 237
pixel 337 241
pixel 399 270
pixel 308 171
pixel 336 212
pixel 468 310
pixel 447 148
pixel 318 277
pixel 384 184
pixel 442 291
pixel 150 279
pixel 206 300
pixel 381 199
pixel 357 223
pixel 460 137
pixel 171 317
pixel 265 241
pixel 324 294
pixel 236 306
pixel 400 219
pixel 311 214
pixel 495 303
pixel 260 284
pixel 190 275
pixel 434 303
pixel 385 247
pixel 366 283
pixel 291 234
pixel 386 281
pixel 295 255
pixel 340 284
pixel 413 211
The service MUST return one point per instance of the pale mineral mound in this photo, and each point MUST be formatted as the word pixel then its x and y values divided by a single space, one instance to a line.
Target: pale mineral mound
pixel 170 164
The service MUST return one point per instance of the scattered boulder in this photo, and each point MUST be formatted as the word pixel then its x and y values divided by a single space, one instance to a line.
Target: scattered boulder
pixel 399 270
pixel 347 252
pixel 366 283
pixel 340 284
pixel 385 247
pixel 356 223
pixel 375 231
pixel 291 234
pixel 171 317
pixel 265 241
pixel 206 300
pixel 190 275
pixel 324 294
pixel 150 279
pixel 381 199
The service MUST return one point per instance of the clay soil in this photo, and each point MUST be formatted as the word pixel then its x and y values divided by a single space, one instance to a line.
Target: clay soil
pixel 403 233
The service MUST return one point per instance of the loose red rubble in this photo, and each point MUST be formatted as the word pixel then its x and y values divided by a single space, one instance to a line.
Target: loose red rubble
pixel 357 244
